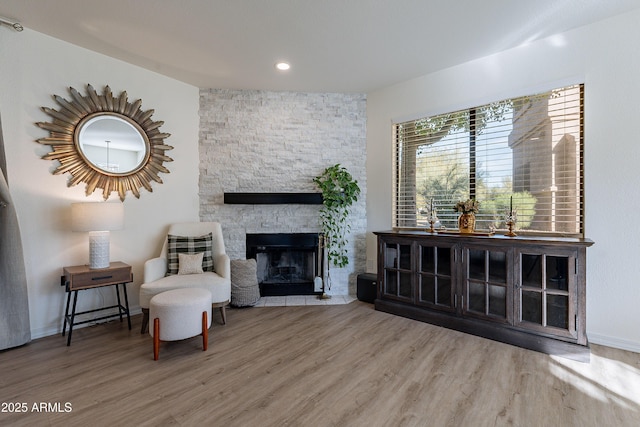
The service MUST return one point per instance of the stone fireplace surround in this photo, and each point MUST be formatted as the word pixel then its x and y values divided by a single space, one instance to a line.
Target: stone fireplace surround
pixel 277 142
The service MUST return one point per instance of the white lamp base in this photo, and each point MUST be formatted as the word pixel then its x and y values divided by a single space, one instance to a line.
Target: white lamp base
pixel 98 249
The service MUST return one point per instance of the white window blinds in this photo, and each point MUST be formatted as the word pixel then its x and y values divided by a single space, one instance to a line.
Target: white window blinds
pixel 526 152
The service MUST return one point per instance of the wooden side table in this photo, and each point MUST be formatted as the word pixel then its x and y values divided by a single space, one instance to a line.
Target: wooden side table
pixel 80 277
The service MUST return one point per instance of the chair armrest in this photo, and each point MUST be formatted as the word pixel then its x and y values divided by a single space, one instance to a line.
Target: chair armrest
pixel 222 265
pixel 154 269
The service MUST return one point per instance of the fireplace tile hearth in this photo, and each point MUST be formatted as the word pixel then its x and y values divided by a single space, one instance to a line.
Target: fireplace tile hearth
pixel 298 300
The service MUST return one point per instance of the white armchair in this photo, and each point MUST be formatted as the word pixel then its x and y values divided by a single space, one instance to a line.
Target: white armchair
pixel 218 282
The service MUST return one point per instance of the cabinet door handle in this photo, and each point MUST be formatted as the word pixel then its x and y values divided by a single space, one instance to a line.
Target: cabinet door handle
pixel 101 277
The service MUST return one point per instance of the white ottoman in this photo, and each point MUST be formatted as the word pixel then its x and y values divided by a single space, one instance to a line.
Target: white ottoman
pixel 179 314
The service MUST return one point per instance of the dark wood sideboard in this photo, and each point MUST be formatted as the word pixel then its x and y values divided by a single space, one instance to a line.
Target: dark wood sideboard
pixel 525 291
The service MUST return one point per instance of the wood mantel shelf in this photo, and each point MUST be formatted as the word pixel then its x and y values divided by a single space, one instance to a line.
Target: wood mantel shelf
pixel 273 198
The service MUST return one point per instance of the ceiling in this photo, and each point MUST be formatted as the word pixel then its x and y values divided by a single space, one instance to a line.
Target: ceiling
pixel 332 45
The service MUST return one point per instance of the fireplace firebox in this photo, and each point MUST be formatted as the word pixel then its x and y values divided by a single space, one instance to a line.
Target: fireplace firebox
pixel 287 263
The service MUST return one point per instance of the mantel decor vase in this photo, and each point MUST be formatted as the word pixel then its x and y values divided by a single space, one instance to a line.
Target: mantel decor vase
pixel 467 223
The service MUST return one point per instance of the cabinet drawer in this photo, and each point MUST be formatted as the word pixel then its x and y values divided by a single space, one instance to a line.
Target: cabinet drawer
pixel 91 279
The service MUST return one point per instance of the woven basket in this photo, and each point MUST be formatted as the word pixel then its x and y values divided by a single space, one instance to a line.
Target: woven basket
pixel 245 291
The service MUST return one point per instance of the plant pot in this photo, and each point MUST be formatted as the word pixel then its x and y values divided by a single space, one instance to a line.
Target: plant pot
pixel 467 223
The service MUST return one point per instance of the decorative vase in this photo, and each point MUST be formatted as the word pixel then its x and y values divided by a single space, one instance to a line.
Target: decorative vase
pixel 467 223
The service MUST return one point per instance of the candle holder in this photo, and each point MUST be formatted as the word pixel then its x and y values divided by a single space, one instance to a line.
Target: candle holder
pixel 432 218
pixel 511 219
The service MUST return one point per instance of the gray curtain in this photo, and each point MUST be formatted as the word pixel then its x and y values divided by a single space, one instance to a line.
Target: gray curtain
pixel 15 328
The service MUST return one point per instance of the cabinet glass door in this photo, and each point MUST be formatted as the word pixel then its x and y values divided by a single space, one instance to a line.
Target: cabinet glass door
pixel 485 284
pixel 397 270
pixel 544 295
pixel 435 279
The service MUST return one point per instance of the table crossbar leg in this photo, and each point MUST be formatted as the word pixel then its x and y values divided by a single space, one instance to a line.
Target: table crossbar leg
pixel 119 303
pixel 66 314
pixel 73 317
pixel 126 303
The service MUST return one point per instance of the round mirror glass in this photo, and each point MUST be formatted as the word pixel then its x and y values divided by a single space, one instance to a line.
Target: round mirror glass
pixel 112 143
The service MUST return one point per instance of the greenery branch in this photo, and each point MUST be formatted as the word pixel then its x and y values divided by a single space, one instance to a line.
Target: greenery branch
pixel 339 192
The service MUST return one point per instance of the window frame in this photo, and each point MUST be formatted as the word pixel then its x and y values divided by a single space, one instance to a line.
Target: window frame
pixel 405 156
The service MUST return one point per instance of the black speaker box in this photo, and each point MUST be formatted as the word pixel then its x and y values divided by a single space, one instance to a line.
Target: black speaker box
pixel 367 287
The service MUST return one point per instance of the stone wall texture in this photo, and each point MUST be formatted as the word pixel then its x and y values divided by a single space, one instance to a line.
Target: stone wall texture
pixel 260 141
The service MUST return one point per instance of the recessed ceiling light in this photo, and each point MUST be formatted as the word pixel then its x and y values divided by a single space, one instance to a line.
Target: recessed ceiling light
pixel 283 66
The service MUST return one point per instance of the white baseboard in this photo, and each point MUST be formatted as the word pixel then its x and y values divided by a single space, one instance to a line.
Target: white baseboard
pixel 614 342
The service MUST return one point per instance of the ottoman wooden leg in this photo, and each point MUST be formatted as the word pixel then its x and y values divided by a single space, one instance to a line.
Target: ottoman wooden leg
pixel 205 331
pixel 156 338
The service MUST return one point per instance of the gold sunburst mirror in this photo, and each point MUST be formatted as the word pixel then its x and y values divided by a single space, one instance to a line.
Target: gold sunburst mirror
pixel 105 142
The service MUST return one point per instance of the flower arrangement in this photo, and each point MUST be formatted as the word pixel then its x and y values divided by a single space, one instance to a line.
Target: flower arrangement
pixel 468 206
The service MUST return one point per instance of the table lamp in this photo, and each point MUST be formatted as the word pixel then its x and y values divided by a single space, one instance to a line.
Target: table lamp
pixel 98 218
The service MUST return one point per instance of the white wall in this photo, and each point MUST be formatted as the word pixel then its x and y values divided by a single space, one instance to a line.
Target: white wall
pixel 33 67
pixel 605 56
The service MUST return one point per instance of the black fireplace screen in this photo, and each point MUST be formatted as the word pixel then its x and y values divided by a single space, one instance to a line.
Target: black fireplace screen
pixel 287 264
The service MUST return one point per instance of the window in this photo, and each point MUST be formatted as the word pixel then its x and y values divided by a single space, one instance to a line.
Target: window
pixel 526 152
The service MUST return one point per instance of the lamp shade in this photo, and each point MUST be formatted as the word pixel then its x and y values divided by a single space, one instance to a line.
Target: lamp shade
pixel 97 216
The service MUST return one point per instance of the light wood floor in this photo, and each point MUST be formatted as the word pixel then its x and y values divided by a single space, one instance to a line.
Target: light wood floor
pixel 342 365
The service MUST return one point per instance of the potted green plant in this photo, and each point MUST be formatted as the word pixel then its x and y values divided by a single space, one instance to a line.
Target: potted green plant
pixel 339 192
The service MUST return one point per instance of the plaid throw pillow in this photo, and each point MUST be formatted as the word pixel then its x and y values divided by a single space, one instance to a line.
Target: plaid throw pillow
pixel 189 245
